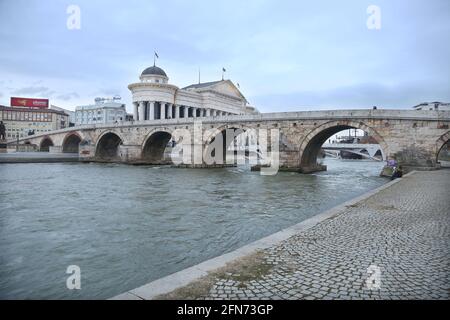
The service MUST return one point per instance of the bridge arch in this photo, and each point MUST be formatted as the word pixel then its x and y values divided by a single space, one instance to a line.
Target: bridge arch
pixel 154 146
pixel 45 144
pixel 71 143
pixel 107 147
pixel 310 146
pixel 379 154
pixel 443 141
pixel 212 147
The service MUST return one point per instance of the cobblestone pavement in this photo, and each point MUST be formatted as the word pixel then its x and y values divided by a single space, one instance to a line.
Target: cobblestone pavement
pixel 402 232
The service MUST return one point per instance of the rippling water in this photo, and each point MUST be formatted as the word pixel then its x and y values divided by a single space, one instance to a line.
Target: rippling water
pixel 125 225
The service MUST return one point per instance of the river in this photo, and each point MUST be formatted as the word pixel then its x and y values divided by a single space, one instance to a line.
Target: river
pixel 127 225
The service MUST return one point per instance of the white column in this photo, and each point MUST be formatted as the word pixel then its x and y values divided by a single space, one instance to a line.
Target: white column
pixel 151 107
pixel 208 112
pixel 135 111
pixel 163 110
pixel 141 111
pixel 177 112
pixel 169 110
pixel 194 112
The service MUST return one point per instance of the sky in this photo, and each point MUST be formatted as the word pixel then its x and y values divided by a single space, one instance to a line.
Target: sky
pixel 285 55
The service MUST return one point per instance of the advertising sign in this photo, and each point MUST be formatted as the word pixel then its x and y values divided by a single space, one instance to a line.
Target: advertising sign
pixel 29 103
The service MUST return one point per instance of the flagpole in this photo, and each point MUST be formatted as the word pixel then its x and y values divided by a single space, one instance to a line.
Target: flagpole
pixel 155 55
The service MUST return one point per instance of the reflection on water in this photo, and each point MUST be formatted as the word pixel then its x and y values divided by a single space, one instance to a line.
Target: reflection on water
pixel 125 225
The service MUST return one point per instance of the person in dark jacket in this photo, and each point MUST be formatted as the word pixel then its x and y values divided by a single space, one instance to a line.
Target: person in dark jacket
pixel 398 173
pixel 2 131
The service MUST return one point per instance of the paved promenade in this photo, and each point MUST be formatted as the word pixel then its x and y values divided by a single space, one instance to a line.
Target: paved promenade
pixel 402 232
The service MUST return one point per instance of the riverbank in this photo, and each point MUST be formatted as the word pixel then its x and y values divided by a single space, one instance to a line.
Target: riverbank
pixel 399 231
pixel 37 157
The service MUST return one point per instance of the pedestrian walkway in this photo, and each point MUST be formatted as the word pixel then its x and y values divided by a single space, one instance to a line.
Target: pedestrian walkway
pixel 394 244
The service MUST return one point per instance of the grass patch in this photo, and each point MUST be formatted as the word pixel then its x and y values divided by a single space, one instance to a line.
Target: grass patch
pixel 251 267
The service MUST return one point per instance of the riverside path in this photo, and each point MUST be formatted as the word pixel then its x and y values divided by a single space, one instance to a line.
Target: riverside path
pixel 392 244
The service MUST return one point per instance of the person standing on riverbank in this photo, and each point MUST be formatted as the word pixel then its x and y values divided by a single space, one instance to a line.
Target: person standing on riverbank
pixel 2 131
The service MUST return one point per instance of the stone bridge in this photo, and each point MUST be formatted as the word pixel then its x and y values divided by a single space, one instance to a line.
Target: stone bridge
pixel 369 151
pixel 411 137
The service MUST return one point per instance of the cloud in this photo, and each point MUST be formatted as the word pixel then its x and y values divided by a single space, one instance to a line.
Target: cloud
pixel 34 90
pixel 44 91
pixel 107 92
pixel 356 96
pixel 68 96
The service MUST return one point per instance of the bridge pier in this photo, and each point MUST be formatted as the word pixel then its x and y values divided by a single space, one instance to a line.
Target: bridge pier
pixel 55 149
pixel 414 157
pixel 205 166
pixel 86 152
pixel 311 169
pixel 290 159
pixel 129 153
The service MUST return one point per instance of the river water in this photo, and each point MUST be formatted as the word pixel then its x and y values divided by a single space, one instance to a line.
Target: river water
pixel 126 225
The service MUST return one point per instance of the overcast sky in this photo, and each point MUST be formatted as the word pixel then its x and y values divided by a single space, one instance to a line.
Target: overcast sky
pixel 286 55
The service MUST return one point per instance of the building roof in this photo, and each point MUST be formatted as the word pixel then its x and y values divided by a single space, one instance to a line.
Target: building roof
pixel 53 107
pixel 423 104
pixel 203 85
pixel 154 70
pixel 24 109
pixel 101 105
pixel 216 86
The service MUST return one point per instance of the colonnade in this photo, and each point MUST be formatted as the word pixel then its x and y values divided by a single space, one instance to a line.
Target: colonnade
pixel 153 110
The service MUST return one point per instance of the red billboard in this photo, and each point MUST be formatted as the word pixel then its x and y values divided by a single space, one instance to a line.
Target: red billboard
pixel 29 103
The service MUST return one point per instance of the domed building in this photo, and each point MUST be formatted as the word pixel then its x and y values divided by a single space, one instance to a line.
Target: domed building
pixel 155 98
